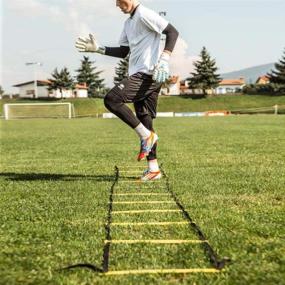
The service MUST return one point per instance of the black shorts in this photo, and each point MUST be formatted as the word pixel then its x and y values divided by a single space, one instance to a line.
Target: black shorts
pixel 142 91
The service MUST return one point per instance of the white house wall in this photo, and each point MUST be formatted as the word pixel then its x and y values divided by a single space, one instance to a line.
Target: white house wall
pixel 65 94
pixel 174 89
pixel 29 88
pixel 43 92
pixel 81 93
pixel 228 89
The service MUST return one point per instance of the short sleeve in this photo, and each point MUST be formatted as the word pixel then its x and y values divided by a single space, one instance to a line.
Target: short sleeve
pixel 153 21
pixel 124 39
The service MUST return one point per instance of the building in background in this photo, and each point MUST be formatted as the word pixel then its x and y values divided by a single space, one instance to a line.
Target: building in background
pixel 230 86
pixel 27 90
pixel 172 87
pixel 262 80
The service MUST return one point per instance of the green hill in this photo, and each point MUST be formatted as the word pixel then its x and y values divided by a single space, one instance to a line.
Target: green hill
pixel 249 74
pixel 93 107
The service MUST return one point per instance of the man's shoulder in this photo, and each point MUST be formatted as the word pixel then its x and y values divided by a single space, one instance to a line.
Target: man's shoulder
pixel 142 10
pixel 142 13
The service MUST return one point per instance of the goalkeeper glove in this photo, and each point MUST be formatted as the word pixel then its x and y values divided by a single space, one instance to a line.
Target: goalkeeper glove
pixel 161 70
pixel 89 45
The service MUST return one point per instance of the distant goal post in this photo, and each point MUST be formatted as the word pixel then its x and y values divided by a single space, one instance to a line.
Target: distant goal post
pixel 38 110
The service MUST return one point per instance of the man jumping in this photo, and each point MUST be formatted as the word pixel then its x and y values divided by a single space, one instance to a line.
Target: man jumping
pixel 148 69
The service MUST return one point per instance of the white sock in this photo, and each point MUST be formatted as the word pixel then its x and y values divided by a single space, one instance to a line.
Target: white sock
pixel 142 131
pixel 153 165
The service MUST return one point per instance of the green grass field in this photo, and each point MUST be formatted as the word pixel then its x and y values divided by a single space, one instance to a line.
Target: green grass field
pixel 228 172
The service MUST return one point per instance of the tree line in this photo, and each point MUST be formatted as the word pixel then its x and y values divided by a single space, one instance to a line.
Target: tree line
pixel 204 77
pixel 86 74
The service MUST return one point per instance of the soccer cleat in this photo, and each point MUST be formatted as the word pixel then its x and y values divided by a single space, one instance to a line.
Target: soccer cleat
pixel 147 145
pixel 150 176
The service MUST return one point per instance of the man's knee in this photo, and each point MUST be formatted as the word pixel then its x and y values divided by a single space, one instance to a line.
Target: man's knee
pixel 112 99
pixel 107 100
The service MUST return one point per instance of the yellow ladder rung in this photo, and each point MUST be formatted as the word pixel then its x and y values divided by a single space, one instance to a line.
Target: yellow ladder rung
pixel 141 186
pixel 129 171
pixel 150 224
pixel 141 194
pixel 142 202
pixel 129 181
pixel 155 241
pixel 163 271
pixel 144 211
pixel 138 181
pixel 135 166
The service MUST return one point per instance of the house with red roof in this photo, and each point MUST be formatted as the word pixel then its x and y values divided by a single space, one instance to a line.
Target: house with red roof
pixel 230 86
pixel 261 80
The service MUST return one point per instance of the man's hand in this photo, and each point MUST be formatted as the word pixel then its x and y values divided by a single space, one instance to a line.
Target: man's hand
pixel 161 70
pixel 89 45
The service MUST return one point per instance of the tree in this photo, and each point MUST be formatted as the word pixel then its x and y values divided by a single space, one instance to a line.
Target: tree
pixel 61 80
pixel 122 70
pixel 87 74
pixel 1 91
pixel 205 76
pixel 278 76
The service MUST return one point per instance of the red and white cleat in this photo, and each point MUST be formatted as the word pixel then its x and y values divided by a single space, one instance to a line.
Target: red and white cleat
pixel 147 145
pixel 150 176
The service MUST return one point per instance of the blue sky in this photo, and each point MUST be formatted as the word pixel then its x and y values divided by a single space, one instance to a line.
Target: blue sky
pixel 237 33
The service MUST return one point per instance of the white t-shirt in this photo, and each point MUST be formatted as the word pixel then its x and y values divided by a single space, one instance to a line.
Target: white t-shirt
pixel 142 34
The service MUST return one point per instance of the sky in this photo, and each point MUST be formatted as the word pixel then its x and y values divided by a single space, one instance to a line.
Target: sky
pixel 237 33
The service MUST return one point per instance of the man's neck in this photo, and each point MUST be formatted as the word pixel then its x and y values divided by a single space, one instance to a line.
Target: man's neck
pixel 133 11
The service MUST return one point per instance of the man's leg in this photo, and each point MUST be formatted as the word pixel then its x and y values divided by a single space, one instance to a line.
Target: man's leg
pixel 115 102
pixel 146 112
pixel 147 121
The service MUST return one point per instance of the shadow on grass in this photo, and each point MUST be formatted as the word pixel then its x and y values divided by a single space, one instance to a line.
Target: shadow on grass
pixel 84 266
pixel 55 177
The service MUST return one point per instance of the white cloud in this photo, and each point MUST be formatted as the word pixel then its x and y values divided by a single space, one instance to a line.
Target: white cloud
pixel 27 7
pixel 76 16
pixel 181 62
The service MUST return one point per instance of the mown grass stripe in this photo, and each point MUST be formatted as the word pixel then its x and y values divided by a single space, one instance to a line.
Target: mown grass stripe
pixel 150 224
pixel 163 271
pixel 155 241
pixel 145 211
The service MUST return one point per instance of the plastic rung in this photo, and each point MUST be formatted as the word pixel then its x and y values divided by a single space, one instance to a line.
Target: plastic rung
pixel 163 271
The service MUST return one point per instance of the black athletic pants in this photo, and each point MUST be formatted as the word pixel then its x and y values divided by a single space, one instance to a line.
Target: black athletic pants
pixel 140 90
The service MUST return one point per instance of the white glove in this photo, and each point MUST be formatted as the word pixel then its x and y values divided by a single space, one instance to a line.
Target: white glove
pixel 161 70
pixel 89 45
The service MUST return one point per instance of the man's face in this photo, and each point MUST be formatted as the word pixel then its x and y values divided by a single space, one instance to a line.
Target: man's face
pixel 126 6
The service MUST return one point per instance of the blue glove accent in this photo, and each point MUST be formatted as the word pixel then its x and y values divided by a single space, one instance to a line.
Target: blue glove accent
pixel 161 70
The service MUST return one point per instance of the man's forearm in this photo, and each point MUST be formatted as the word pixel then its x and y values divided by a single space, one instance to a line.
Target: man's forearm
pixel 120 52
pixel 171 38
